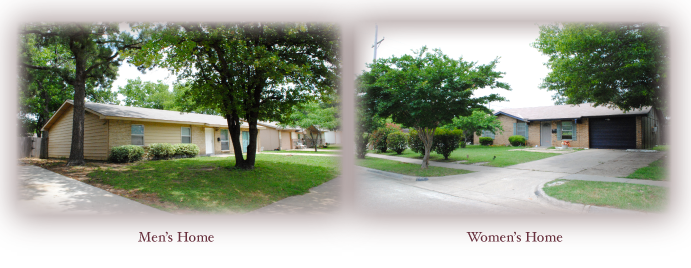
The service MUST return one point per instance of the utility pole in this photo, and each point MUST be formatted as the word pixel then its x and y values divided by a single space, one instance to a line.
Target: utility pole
pixel 376 44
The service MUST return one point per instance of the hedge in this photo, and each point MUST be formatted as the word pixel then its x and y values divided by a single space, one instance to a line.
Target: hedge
pixel 126 154
pixel 415 143
pixel 486 141
pixel 378 137
pixel 517 140
pixel 186 149
pixel 397 142
pixel 161 151
pixel 446 141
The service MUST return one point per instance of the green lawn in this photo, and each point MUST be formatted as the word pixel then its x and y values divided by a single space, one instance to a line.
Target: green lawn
pixel 656 171
pixel 610 194
pixel 319 151
pixel 407 168
pixel 479 153
pixel 211 184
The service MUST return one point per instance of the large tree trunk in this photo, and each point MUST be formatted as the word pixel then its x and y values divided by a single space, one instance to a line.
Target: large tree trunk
pixel 43 154
pixel 234 133
pixel 77 148
pixel 427 137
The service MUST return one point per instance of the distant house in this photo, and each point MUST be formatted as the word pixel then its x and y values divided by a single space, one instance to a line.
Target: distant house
pixel 332 137
pixel 582 125
pixel 276 137
pixel 109 125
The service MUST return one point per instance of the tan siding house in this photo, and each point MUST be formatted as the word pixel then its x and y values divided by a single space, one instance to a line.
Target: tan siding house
pixel 583 126
pixel 108 125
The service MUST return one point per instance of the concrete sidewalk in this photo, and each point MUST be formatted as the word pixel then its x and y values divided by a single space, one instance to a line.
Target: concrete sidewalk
pixel 44 192
pixel 323 199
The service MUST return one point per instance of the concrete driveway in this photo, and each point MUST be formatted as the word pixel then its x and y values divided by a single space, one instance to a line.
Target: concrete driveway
pixel 44 192
pixel 513 190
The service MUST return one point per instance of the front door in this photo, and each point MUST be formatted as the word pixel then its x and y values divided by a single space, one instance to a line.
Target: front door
pixel 209 138
pixel 546 134
pixel 245 141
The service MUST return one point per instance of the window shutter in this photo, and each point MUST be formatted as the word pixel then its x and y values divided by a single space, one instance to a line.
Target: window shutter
pixel 526 131
pixel 575 126
pixel 559 130
pixel 514 128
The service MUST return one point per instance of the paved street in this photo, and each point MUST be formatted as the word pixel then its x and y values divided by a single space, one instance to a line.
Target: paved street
pixel 513 190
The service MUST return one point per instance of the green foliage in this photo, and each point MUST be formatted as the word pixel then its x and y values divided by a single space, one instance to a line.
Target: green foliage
pixel 415 143
pixel 427 90
pixel 147 94
pixel 161 150
pixel 361 140
pixel 612 64
pixel 477 122
pixel 517 140
pixel 250 71
pixel 486 141
pixel 446 141
pixel 126 154
pixel 379 136
pixel 186 149
pixel 407 168
pixel 397 142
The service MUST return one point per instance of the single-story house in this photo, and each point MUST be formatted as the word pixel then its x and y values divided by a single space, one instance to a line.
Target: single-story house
pixel 277 137
pixel 333 137
pixel 110 125
pixel 582 125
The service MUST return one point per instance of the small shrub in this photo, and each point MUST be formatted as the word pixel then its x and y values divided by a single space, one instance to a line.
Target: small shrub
pixel 378 137
pixel 415 143
pixel 486 141
pixel 361 144
pixel 126 154
pixel 446 141
pixel 397 142
pixel 517 140
pixel 186 149
pixel 161 151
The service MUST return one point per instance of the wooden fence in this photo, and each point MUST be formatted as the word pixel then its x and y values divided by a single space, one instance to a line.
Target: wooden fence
pixel 29 147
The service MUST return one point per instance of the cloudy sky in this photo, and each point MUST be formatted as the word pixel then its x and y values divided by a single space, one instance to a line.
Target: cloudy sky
pixel 477 41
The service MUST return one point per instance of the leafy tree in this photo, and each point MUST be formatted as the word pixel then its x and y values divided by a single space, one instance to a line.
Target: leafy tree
pixel 621 65
pixel 147 94
pixel 83 56
pixel 249 71
pixel 313 116
pixel 366 120
pixel 477 122
pixel 379 137
pixel 428 90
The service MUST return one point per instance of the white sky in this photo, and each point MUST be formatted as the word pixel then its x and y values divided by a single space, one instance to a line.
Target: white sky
pixel 128 71
pixel 478 41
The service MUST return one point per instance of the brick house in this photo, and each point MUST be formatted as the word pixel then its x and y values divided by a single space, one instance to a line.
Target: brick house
pixel 583 125
pixel 109 125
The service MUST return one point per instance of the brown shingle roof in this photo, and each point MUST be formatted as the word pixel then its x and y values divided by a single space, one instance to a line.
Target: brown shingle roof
pixel 566 112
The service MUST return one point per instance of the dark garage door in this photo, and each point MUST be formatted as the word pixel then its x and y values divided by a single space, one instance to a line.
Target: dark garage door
pixel 613 133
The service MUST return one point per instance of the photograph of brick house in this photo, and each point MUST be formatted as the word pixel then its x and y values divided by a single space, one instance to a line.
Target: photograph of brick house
pixel 584 126
pixel 109 125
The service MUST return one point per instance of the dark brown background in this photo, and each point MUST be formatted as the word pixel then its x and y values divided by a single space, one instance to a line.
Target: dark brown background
pixel 346 234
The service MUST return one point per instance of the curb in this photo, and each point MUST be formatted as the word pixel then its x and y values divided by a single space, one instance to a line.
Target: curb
pixel 391 174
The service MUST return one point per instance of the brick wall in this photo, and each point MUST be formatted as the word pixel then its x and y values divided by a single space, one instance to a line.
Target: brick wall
pixel 582 135
pixel 119 133
pixel 639 133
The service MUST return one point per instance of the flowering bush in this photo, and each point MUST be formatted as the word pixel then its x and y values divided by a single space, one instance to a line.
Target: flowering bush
pixel 567 143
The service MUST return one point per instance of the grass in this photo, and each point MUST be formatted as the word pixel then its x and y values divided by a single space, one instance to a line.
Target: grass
pixel 661 148
pixel 407 168
pixel 479 153
pixel 212 184
pixel 610 194
pixel 334 147
pixel 319 151
pixel 656 171
pixel 552 147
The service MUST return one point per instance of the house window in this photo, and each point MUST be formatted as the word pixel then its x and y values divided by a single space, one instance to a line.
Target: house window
pixel 186 134
pixel 521 129
pixel 137 134
pixel 566 130
pixel 225 146
pixel 487 133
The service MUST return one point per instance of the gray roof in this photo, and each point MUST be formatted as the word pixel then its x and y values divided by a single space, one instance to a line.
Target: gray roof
pixel 566 112
pixel 127 112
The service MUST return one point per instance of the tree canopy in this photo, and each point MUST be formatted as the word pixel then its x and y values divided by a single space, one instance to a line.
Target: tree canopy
pixel 428 90
pixel 476 123
pixel 147 94
pixel 80 56
pixel 613 64
pixel 319 115
pixel 248 71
